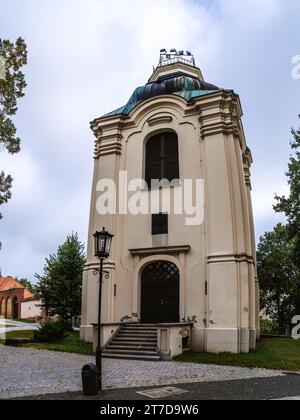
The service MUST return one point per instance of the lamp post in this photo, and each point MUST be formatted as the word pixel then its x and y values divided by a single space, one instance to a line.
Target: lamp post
pixel 102 243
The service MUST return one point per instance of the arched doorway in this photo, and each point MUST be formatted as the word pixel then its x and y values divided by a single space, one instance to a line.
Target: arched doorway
pixel 8 309
pixel 15 308
pixel 160 290
pixel 2 307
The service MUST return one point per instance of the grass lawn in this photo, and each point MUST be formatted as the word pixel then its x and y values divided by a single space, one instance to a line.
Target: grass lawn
pixel 16 334
pixel 271 353
pixel 71 344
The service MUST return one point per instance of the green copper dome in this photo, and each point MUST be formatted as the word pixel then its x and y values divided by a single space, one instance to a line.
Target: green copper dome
pixel 175 84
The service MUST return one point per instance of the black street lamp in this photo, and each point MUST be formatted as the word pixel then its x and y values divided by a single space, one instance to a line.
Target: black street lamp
pixel 103 242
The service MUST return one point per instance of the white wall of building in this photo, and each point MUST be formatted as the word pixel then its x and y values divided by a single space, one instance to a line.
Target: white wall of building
pixel 30 309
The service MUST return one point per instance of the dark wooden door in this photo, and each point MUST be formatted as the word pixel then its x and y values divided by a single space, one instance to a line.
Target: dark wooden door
pixel 160 293
pixel 15 308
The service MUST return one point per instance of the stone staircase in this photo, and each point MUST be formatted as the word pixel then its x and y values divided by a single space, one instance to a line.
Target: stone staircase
pixel 135 342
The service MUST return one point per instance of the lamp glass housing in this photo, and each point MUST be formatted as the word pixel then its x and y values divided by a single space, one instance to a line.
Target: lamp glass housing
pixel 102 243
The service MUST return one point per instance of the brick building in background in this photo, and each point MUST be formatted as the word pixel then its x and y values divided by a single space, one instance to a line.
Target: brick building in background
pixel 17 302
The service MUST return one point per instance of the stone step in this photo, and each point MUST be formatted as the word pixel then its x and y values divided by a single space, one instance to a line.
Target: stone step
pixel 136 334
pixel 116 342
pixel 131 347
pixel 127 327
pixel 137 331
pixel 139 327
pixel 133 338
pixel 131 357
pixel 127 351
pixel 139 341
pixel 134 343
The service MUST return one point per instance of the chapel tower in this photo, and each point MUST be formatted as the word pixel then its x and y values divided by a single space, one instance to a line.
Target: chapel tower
pixel 165 271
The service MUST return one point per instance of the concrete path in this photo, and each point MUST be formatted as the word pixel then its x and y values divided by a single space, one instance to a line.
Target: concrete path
pixel 26 372
pixel 7 325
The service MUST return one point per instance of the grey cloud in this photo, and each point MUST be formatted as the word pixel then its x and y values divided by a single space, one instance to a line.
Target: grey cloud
pixel 86 58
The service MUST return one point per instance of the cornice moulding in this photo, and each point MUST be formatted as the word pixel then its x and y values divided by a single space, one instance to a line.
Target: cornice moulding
pixel 229 258
pixel 161 250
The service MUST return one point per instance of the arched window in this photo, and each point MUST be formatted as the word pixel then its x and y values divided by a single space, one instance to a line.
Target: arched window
pixel 162 161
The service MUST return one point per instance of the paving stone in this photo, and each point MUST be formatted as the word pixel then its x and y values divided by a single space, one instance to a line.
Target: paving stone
pixel 26 372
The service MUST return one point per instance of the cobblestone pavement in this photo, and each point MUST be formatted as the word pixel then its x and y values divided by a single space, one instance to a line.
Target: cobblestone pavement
pixel 25 372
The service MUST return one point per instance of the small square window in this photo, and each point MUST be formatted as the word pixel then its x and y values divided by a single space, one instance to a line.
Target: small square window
pixel 160 224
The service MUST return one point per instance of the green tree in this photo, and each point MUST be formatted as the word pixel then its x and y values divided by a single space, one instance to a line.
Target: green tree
pixel 13 56
pixel 59 287
pixel 28 285
pixel 278 276
pixel 290 206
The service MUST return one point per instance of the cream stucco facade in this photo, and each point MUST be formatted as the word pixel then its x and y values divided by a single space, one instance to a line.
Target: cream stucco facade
pixel 216 260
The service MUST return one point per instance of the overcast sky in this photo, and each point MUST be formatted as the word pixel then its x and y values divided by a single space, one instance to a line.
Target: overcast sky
pixel 85 59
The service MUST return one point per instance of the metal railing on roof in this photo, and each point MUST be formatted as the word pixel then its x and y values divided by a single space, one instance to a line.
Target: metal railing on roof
pixel 173 56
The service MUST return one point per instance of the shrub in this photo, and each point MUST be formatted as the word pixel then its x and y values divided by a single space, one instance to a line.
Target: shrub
pixel 269 327
pixel 51 332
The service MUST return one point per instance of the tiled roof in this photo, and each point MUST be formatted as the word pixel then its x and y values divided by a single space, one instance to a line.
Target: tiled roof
pixel 7 283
